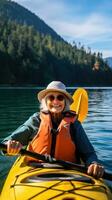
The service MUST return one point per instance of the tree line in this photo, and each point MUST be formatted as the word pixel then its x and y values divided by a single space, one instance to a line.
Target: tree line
pixel 30 57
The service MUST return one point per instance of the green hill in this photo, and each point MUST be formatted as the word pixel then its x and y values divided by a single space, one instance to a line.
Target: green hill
pixel 32 53
pixel 15 12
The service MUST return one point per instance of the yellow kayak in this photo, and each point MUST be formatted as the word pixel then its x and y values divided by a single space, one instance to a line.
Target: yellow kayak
pixel 53 182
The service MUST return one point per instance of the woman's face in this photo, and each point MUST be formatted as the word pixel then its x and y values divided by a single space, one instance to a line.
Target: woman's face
pixel 55 102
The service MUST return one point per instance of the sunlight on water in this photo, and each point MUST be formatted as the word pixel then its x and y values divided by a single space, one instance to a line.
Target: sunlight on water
pixel 98 124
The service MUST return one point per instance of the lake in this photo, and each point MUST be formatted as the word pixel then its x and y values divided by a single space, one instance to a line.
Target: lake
pixel 17 104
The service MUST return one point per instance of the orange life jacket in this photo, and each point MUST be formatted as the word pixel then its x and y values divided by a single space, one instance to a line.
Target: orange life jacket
pixel 65 148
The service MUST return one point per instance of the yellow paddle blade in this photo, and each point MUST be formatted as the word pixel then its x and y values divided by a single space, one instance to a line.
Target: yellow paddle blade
pixel 80 104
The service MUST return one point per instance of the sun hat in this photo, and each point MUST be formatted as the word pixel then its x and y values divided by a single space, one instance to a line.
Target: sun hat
pixel 55 86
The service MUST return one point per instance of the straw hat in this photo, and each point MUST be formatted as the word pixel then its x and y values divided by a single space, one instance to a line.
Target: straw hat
pixel 54 86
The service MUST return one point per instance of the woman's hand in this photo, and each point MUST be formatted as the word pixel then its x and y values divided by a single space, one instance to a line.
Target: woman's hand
pixel 13 147
pixel 95 170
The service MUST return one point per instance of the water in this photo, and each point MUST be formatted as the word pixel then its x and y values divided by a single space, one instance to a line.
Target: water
pixel 16 105
pixel 98 124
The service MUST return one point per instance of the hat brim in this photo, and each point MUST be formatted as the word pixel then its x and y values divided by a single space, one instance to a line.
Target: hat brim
pixel 43 93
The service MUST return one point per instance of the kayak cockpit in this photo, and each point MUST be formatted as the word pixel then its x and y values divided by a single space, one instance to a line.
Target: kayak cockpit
pixel 57 176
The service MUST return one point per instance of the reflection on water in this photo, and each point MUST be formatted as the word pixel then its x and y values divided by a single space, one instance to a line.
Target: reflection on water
pixel 16 105
pixel 98 124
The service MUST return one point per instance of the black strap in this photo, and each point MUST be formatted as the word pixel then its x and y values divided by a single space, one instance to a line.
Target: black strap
pixel 54 133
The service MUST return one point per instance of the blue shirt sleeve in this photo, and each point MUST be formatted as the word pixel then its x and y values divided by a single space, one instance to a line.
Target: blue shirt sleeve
pixel 84 147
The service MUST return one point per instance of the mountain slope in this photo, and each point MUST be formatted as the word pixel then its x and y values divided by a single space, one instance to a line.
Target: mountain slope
pixel 28 56
pixel 16 12
pixel 109 61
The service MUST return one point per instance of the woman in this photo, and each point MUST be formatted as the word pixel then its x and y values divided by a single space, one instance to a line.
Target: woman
pixel 56 131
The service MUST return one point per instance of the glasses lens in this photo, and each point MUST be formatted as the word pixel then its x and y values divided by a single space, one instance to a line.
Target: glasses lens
pixel 60 97
pixel 51 97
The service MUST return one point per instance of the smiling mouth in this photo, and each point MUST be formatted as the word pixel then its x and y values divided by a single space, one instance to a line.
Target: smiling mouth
pixel 56 106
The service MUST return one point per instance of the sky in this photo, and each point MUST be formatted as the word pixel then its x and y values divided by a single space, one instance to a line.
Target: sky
pixel 88 22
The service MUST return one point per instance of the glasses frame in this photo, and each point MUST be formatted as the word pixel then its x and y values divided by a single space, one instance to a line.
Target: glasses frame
pixel 52 97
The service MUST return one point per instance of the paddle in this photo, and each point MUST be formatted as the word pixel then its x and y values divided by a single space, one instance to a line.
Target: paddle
pixel 66 164
pixel 80 104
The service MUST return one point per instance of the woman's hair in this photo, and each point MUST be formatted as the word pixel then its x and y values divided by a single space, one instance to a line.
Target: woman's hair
pixel 43 105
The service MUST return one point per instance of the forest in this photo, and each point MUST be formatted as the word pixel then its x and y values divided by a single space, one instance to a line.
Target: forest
pixel 28 56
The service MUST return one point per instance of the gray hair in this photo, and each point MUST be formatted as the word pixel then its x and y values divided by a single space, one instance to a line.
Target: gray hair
pixel 43 105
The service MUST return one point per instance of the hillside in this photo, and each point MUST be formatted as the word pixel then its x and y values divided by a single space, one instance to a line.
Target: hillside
pixel 109 61
pixel 13 11
pixel 31 56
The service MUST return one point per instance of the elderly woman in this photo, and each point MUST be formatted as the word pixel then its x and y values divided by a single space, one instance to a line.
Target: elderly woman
pixel 56 131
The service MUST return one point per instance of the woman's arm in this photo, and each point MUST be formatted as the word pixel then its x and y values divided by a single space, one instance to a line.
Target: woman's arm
pixel 22 135
pixel 83 145
pixel 87 152
pixel 26 131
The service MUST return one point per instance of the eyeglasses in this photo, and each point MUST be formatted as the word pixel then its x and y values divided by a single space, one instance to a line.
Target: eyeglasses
pixel 58 97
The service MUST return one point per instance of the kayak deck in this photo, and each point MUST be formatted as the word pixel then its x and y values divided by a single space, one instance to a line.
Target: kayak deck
pixel 42 182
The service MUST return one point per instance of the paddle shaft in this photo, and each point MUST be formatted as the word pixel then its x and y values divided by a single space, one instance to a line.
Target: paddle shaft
pixel 49 159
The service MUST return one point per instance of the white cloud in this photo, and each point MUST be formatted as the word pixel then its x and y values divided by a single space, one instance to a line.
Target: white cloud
pixel 94 26
pixel 95 31
pixel 107 53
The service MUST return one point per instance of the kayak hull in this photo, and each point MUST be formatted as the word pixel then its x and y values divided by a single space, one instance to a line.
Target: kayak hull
pixel 37 182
